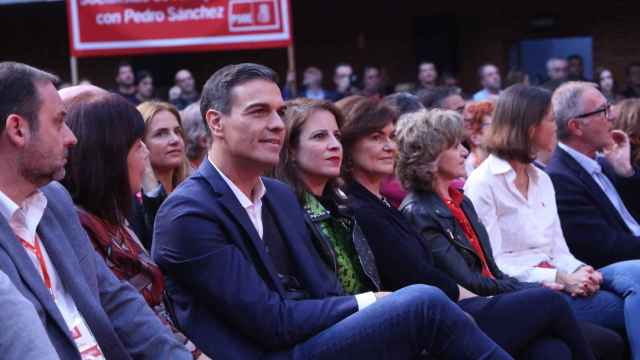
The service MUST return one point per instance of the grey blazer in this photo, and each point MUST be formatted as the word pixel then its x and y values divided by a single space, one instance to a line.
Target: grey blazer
pixel 22 336
pixel 122 323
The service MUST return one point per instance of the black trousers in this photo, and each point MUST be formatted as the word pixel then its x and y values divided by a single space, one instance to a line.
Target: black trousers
pixel 539 324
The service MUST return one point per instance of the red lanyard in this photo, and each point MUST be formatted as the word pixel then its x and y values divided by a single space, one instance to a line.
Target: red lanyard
pixel 37 250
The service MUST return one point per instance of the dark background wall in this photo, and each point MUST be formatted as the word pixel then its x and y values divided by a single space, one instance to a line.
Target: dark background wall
pixel 393 34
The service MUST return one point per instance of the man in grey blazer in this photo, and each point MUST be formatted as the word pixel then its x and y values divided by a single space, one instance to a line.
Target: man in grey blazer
pixel 86 311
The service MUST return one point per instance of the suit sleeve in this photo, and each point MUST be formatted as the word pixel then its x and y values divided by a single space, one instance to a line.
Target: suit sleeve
pixel 401 262
pixel 23 336
pixel 589 235
pixel 194 250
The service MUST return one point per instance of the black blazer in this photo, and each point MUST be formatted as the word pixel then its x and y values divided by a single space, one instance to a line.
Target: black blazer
pixel 452 251
pixel 402 258
pixel 629 190
pixel 595 232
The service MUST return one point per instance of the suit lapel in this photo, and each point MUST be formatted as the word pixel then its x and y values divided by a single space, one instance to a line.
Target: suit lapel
pixel 593 188
pixel 30 274
pixel 71 274
pixel 229 201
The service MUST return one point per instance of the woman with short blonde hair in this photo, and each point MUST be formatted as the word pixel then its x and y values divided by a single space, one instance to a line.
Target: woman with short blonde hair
pixel 418 153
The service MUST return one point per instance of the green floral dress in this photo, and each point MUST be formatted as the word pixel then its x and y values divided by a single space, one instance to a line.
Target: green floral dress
pixel 338 230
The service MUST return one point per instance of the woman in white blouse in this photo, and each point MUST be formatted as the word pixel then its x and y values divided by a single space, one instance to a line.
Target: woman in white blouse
pixel 516 203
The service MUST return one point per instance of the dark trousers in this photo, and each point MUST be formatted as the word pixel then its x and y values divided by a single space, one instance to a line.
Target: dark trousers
pixel 411 321
pixel 530 324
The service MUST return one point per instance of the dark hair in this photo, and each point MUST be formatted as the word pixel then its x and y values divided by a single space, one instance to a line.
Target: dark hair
pixel 515 76
pixel 402 103
pixel 18 92
pixel 575 57
pixel 122 64
pixel 362 116
pixel 434 98
pixel 297 113
pixel 519 108
pixel 97 172
pixel 370 67
pixel 141 75
pixel 481 69
pixel 216 93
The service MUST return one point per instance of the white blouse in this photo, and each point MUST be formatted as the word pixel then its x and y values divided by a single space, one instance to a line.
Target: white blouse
pixel 523 232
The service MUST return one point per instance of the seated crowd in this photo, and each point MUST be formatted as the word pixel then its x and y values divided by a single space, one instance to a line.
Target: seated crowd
pixel 346 226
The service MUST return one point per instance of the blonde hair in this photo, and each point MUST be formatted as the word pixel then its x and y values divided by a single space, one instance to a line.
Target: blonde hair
pixel 421 137
pixel 149 109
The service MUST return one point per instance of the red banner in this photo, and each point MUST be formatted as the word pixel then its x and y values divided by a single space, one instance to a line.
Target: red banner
pixel 120 27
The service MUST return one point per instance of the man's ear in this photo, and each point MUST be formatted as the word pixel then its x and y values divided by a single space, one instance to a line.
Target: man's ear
pixel 214 122
pixel 575 127
pixel 17 129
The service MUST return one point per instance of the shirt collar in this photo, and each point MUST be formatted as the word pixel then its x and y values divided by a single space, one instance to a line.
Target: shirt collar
pixel 500 166
pixel 587 163
pixel 258 192
pixel 7 206
pixel 28 213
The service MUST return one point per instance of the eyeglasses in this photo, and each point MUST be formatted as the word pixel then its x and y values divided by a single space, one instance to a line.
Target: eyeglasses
pixel 605 109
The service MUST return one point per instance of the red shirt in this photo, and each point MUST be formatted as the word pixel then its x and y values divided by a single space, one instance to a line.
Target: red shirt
pixel 454 206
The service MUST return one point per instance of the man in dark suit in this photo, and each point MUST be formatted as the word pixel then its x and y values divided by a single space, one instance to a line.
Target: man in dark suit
pixel 589 163
pixel 86 311
pixel 242 273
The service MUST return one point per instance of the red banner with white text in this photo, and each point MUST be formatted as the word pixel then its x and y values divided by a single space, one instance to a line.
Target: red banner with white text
pixel 123 27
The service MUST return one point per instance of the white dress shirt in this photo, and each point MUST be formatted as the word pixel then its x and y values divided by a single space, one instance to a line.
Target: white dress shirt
pixel 253 207
pixel 24 220
pixel 523 232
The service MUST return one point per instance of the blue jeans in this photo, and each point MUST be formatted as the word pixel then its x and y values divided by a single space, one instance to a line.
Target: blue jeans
pixel 623 279
pixel 403 325
pixel 617 305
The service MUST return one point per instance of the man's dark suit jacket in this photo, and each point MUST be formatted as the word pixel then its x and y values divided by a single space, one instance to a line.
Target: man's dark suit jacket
pixel 121 321
pixel 593 228
pixel 223 285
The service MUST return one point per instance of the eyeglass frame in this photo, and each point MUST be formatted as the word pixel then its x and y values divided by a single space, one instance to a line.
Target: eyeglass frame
pixel 606 109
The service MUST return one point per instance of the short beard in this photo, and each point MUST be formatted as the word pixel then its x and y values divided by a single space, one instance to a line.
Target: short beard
pixel 33 168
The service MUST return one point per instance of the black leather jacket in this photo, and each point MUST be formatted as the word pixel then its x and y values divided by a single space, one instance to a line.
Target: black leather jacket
pixel 323 245
pixel 452 251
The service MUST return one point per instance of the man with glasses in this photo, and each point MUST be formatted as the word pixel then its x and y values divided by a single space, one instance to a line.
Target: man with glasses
pixel 591 160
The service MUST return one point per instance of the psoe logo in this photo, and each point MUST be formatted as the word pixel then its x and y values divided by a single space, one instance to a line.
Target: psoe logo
pixel 253 15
